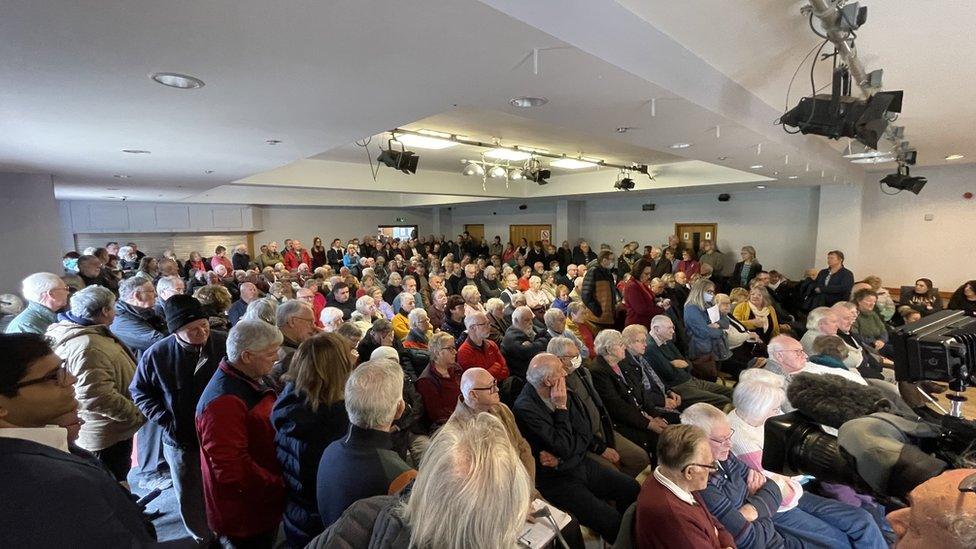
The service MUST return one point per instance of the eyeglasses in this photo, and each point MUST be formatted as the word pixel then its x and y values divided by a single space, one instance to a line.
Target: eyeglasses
pixel 493 388
pixel 712 467
pixel 725 440
pixel 479 324
pixel 58 375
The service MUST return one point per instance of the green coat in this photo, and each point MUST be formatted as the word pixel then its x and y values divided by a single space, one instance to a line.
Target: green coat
pixel 33 320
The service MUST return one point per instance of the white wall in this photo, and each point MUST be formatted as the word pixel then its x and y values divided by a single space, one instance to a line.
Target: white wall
pixel 30 227
pixel 839 225
pixel 496 217
pixel 899 245
pixel 281 222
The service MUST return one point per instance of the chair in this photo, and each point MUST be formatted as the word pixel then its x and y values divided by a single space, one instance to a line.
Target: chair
pixel 625 538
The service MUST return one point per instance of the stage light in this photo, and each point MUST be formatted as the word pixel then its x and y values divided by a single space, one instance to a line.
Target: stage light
pixel 904 181
pixel 403 160
pixel 516 175
pixel 624 184
pixel 498 172
pixel 473 168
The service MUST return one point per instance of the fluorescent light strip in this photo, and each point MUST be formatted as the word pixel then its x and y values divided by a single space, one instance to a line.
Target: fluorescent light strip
pixel 501 153
pixel 571 164
pixel 424 142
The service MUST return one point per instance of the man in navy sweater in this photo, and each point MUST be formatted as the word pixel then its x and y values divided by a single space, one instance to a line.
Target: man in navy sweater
pixel 363 464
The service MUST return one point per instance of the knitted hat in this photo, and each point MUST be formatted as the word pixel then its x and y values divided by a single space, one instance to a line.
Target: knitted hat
pixel 182 310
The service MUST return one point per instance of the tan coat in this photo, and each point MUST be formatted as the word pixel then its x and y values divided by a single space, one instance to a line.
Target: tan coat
pixel 463 413
pixel 104 368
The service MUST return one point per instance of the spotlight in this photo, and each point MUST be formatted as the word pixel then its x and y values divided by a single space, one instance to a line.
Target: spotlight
pixel 903 181
pixel 534 172
pixel 473 168
pixel 403 160
pixel 498 172
pixel 624 184
pixel 516 174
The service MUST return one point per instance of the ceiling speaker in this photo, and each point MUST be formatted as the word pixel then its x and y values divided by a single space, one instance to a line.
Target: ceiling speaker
pixel 724 197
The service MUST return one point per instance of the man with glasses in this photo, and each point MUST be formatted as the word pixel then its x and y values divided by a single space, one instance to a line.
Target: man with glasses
pixel 296 322
pixel 478 351
pixel 39 508
pixel 46 294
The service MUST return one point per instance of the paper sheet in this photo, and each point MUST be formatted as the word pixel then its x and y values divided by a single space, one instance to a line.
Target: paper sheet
pixel 713 314
pixel 540 533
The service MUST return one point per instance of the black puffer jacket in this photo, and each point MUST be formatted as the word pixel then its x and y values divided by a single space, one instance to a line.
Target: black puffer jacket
pixel 370 523
pixel 138 328
pixel 301 436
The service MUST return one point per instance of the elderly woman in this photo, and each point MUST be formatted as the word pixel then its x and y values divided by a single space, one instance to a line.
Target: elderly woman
pixel 869 328
pixel 148 268
pixel 382 306
pixel 366 312
pixel 578 322
pixel 749 504
pixel 472 300
pixel 420 330
pixel 923 298
pixel 310 413
pixel 758 315
pixel 393 289
pixel 536 297
pixel 886 305
pixel 672 496
pixel 215 299
pixel 194 263
pixel 640 300
pixel 440 383
pixel 821 321
pixel 103 368
pixel 706 339
pixel 497 323
pixel 331 319
pixel 745 270
pixel 261 309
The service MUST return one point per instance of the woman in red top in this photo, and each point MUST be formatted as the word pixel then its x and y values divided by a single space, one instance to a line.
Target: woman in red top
pixel 440 383
pixel 688 264
pixel 194 263
pixel 639 300
pixel 509 253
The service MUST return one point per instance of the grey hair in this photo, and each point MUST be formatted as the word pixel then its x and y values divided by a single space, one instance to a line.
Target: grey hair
pixel 38 283
pixel 762 375
pixel 405 295
pixel 129 287
pixel 470 320
pixel 468 291
pixel 385 352
pixel 815 316
pixel 574 308
pixel 633 333
pixel 363 304
pixel 704 416
pixel 413 317
pixel 438 342
pixel 251 335
pixel 605 340
pixel 846 305
pixel 537 373
pixel 559 346
pixel 552 314
pixel 755 399
pixel 494 303
pixel 264 310
pixel 473 465
pixel 288 310
pixel 89 302
pixel 329 315
pixel 522 313
pixel 167 284
pixel 373 391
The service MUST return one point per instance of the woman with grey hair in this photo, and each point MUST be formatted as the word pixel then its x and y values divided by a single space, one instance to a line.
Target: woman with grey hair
pixel 264 309
pixel 440 383
pixel 104 368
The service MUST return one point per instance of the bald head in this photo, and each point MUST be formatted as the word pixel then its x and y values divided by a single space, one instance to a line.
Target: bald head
pixel 543 369
pixel 249 292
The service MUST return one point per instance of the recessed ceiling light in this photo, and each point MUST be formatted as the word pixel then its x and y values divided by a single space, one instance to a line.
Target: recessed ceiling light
pixel 272 141
pixel 136 151
pixel 760 187
pixel 625 129
pixel 120 176
pixel 176 80
pixel 208 172
pixel 723 158
pixel 501 153
pixel 680 145
pixel 756 167
pixel 955 156
pixel 793 177
pixel 571 164
pixel 526 102
pixel 425 141
pixel 112 189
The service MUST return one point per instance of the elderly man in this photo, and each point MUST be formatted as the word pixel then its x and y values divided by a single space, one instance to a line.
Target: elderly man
pixel 420 330
pixel 249 293
pixel 667 361
pixel 654 392
pixel 556 327
pixel 771 512
pixel 478 351
pixel 599 291
pixel 408 285
pixel 169 380
pixel 497 320
pixel 941 514
pixel 103 367
pixel 363 464
pixel 46 294
pixel 295 256
pixel 242 483
pixel 37 456
pixel 555 423
pixel 167 287
pixel 522 341
pixel 91 272
pixel 438 307
pixel 479 393
pixel 296 323
pixel 401 322
pixel 241 260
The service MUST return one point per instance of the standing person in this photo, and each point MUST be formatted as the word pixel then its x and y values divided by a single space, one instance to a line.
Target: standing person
pixel 711 256
pixel 242 484
pixel 319 257
pixel 103 367
pixel 46 294
pixel 639 299
pixel 169 380
pixel 599 291
pixel 834 283
pixel 308 416
pixel 745 270
pixel 706 338
pixel 333 256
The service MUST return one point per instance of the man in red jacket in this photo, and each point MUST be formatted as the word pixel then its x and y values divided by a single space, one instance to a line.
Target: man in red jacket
pixel 295 256
pixel 478 351
pixel 242 484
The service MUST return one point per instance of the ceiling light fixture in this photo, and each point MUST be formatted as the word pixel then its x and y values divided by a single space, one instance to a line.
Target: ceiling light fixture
pixel 756 167
pixel 516 174
pixel 571 164
pixel 425 141
pixel 624 182
pixel 955 156
pixel 793 177
pixel 874 159
pixel 136 151
pixel 502 153
pixel 722 158
pixel 680 145
pixel 760 187
pixel 473 168
pixel 527 102
pixel 403 160
pixel 497 172
pixel 120 176
pixel 176 80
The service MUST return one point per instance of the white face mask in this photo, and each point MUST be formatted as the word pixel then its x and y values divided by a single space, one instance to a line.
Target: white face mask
pixel 575 363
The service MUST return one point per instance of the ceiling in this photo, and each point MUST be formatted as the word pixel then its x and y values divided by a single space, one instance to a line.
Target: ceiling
pixel 319 76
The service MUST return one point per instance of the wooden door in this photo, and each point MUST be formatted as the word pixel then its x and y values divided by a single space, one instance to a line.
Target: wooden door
pixel 529 232
pixel 477 232
pixel 692 234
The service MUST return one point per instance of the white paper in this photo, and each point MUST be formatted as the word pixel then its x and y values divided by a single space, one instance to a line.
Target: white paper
pixel 540 533
pixel 714 314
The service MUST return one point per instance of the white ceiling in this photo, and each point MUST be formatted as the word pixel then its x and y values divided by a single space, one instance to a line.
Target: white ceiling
pixel 320 75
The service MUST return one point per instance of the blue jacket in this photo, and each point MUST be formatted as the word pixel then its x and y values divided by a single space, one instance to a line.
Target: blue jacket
pixel 835 291
pixel 236 311
pixel 702 337
pixel 727 490
pixel 32 320
pixel 138 328
pixel 168 385
pixel 301 436
pixel 58 499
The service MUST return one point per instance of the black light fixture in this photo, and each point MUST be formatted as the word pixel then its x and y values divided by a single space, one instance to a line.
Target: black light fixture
pixel 904 181
pixel 533 171
pixel 403 160
pixel 624 184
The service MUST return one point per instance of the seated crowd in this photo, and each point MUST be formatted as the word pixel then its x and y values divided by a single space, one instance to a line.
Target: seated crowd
pixel 425 392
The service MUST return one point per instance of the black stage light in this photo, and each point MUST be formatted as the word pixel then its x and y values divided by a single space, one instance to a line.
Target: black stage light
pixel 540 176
pixel 403 160
pixel 904 181
pixel 624 184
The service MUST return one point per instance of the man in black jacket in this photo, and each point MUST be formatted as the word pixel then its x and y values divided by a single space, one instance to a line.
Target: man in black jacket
pixel 834 283
pixel 672 368
pixel 169 380
pixel 555 423
pixel 522 341
pixel 599 292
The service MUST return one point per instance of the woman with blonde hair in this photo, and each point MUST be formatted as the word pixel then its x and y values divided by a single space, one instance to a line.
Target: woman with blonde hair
pixel 745 270
pixel 757 314
pixel 310 413
pixel 215 299
pixel 706 339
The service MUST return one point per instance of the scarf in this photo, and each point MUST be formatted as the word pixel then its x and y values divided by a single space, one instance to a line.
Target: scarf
pixel 762 315
pixel 67 316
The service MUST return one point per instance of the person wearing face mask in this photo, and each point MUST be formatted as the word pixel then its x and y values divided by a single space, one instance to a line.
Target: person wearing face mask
pixel 599 291
pixel 705 336
pixel 169 379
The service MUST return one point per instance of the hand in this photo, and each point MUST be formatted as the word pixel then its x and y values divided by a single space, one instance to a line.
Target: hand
pixel 678 363
pixel 547 459
pixel 714 325
pixel 878 344
pixel 611 455
pixel 755 481
pixel 672 401
pixel 657 424
pixel 557 394
pixel 749 512
pixel 754 337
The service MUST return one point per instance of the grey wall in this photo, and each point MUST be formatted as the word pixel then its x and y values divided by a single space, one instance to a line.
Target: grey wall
pixel 30 229
pixel 281 222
